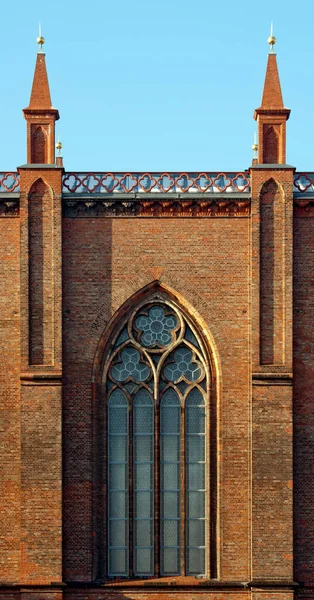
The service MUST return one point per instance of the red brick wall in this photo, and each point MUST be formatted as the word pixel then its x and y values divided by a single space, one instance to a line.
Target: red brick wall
pixel 272 480
pixel 9 399
pixel 209 263
pixel 206 261
pixel 303 399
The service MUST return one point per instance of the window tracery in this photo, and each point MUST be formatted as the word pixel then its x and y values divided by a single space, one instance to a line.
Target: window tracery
pixel 157 383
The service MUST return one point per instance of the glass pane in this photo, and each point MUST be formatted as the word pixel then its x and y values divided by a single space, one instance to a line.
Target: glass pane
pixel 195 448
pixel 117 504
pixel 170 448
pixel 170 533
pixel 170 505
pixel 170 476
pixel 117 533
pixel 143 448
pixel 195 398
pixel 143 532
pixel 182 385
pixel 143 419
pixel 196 504
pixel 195 561
pixel 143 397
pixel 170 419
pixel 196 476
pixel 170 397
pixel 117 477
pixel 143 476
pixel 143 504
pixel 155 326
pixel 183 364
pixel 117 420
pixel 170 561
pixel 143 561
pixel 117 398
pixel 195 533
pixel 122 337
pixel 130 365
pixel 118 447
pixel 118 559
pixel 189 335
pixel 195 419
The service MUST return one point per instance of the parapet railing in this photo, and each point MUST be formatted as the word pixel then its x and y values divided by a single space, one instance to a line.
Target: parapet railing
pixel 9 182
pixel 108 183
pixel 126 183
pixel 303 183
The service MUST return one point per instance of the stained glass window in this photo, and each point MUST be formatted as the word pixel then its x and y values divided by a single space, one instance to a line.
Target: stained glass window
pixel 157 423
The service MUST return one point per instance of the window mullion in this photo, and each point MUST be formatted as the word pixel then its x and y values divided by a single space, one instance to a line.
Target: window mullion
pixel 157 480
pixel 131 459
pixel 183 495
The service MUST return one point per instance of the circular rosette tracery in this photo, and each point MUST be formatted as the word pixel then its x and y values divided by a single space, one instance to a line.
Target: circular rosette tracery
pixel 130 365
pixel 156 327
pixel 183 365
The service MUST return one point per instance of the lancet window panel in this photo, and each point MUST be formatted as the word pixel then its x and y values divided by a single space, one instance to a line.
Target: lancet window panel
pixel 156 382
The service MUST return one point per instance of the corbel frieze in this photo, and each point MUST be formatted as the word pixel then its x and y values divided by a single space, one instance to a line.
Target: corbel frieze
pixel 9 207
pixel 157 207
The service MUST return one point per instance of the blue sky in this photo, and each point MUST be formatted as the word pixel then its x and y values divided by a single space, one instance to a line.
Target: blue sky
pixel 157 86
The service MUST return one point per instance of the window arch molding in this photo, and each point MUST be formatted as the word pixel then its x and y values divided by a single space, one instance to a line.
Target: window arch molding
pixel 108 357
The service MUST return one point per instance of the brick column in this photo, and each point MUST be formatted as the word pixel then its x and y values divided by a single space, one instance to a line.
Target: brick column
pixel 41 372
pixel 272 448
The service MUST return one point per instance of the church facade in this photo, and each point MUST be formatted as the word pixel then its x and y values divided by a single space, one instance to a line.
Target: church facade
pixel 157 375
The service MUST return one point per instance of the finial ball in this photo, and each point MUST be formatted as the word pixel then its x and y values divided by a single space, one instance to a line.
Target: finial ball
pixel 40 40
pixel 255 147
pixel 58 145
pixel 271 40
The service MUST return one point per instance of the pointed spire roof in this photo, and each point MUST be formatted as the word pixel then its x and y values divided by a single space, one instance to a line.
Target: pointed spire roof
pixel 40 100
pixel 272 101
pixel 40 95
pixel 272 96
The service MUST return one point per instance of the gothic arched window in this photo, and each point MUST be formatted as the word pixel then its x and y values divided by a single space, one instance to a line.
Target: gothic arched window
pixel 157 386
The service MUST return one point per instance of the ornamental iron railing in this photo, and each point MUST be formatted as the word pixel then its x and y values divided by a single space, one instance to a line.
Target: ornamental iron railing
pixel 303 183
pixel 9 182
pixel 108 183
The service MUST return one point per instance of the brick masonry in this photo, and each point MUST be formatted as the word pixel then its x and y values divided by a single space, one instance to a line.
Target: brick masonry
pixel 247 284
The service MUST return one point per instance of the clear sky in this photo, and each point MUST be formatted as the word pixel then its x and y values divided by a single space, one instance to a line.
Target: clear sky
pixel 157 86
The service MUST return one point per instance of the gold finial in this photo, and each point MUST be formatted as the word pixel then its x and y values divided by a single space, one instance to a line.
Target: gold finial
pixel 40 40
pixel 59 146
pixel 255 146
pixel 271 40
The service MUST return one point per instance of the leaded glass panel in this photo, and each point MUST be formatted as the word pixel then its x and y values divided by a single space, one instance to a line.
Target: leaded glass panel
pixel 118 483
pixel 195 456
pixel 143 475
pixel 170 473
pixel 156 327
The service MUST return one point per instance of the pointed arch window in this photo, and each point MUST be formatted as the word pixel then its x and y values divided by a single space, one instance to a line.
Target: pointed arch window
pixel 157 423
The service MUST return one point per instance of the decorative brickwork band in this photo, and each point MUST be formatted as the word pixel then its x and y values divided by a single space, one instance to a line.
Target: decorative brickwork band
pixel 9 208
pixel 161 207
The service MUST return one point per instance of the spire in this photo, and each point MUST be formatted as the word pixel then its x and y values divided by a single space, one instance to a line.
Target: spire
pixel 40 94
pixel 272 96
pixel 271 116
pixel 40 115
